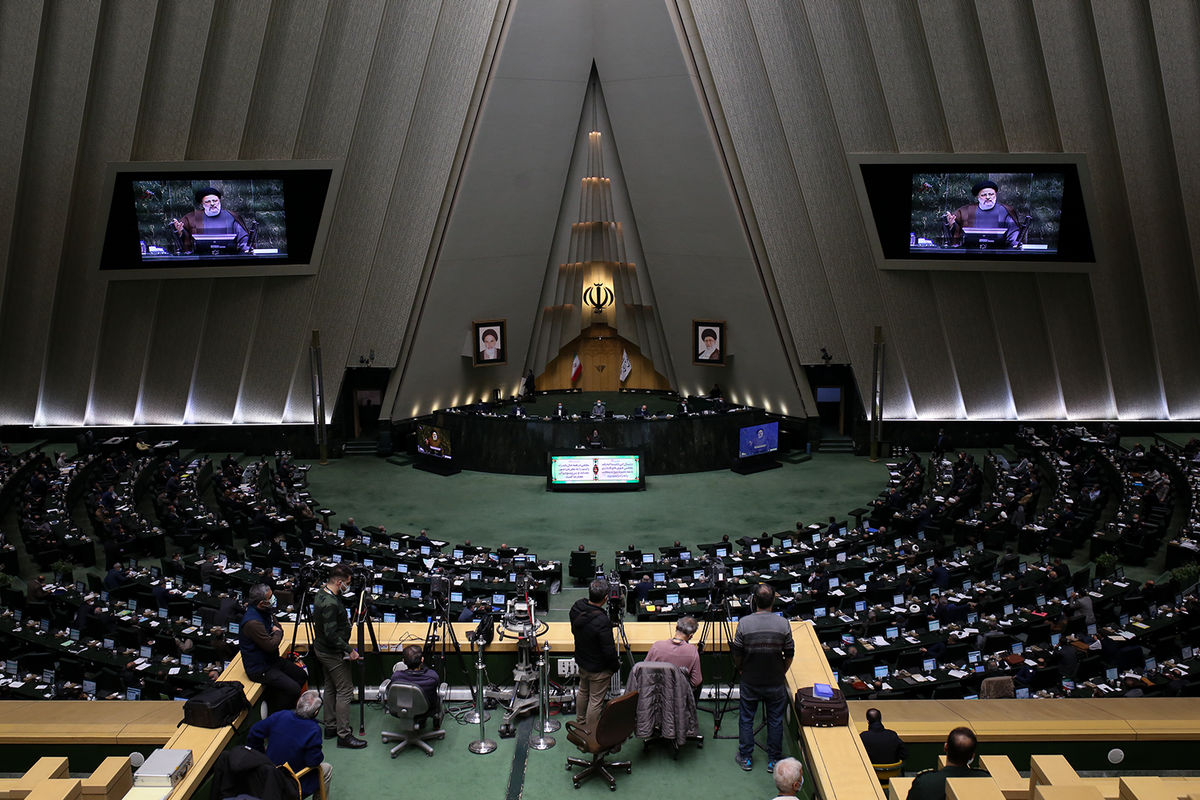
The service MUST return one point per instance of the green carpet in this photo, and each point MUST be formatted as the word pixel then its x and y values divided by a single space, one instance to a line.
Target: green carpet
pixel 492 509
pixel 521 772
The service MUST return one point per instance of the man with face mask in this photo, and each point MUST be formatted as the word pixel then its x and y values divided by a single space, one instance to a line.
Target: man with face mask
pixel 984 213
pixel 331 646
pixel 260 639
pixel 211 219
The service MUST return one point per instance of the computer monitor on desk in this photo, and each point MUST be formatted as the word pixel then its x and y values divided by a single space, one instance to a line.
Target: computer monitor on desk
pixel 215 244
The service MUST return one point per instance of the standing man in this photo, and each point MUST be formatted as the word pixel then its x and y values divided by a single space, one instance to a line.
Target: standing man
pixel 884 746
pixel 595 651
pixel 960 751
pixel 762 650
pixel 331 646
pixel 260 639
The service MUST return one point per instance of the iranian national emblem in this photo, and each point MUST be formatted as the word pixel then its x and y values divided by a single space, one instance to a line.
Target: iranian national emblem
pixel 599 297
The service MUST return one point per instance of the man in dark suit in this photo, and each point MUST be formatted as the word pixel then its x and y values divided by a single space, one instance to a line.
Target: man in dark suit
pixel 883 745
pixel 941 575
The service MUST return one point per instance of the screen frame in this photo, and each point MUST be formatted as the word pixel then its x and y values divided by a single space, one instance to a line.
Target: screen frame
pixel 994 162
pixel 183 170
pixel 639 484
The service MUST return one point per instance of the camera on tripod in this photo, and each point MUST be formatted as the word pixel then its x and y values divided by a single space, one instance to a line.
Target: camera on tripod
pixel 616 597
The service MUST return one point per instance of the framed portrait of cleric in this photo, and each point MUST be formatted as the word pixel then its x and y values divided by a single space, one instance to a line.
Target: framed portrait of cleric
pixel 489 342
pixel 709 344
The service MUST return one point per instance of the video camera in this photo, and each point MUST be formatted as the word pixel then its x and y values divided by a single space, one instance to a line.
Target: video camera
pixel 616 597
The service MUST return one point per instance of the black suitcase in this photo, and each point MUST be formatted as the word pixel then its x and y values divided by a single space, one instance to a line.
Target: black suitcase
pixel 822 712
pixel 215 706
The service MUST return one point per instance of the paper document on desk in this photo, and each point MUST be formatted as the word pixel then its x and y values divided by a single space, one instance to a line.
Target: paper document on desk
pixel 879 641
pixel 957 673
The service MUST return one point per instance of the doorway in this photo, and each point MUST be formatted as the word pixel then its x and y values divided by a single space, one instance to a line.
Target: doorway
pixel 361 402
pixel 839 405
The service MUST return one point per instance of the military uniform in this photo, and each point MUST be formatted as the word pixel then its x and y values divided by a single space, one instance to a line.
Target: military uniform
pixel 931 783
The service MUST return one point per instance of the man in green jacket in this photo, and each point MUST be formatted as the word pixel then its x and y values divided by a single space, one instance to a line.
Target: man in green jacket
pixel 331 646
pixel 960 751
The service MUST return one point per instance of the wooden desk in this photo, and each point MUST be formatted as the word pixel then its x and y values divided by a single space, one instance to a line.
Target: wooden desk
pixel 898 788
pixel 110 781
pixel 44 769
pixel 57 789
pixel 1011 784
pixel 1097 719
pixel 85 722
pixel 972 789
pixel 1051 770
pixel 1078 792
pixel 837 760
pixel 1155 788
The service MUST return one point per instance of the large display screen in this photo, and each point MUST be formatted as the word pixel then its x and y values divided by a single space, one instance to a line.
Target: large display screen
pixel 432 441
pixel 227 219
pixel 962 211
pixel 595 470
pixel 757 440
pixel 974 212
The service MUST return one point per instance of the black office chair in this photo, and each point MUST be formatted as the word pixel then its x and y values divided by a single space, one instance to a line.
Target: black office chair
pixel 407 704
pixel 582 566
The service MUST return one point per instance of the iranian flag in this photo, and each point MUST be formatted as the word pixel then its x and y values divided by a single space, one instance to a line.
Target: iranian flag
pixel 576 368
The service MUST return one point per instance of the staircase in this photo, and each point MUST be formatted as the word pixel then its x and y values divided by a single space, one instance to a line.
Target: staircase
pixel 359 448
pixel 834 443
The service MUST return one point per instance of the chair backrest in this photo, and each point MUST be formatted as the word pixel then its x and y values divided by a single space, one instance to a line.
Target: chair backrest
pixel 617 720
pixel 406 702
pixel 998 687
pixel 885 772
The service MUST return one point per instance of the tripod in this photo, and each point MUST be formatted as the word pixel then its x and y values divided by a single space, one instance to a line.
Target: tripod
pixel 364 625
pixel 440 630
pixel 717 631
pixel 303 617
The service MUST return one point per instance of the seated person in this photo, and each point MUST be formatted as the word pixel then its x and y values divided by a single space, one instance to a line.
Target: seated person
pixel 960 752
pixel 598 409
pixel 116 577
pixel 294 737
pixel 679 650
pixel 642 412
pixel 417 674
pixel 593 439
pixel 884 745
pixel 259 643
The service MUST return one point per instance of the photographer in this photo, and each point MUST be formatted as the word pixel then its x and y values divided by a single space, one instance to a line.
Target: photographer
pixel 260 638
pixel 331 646
pixel 595 651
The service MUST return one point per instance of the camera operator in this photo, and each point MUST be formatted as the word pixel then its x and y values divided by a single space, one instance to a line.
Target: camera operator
pixel 595 651
pixel 260 638
pixel 331 645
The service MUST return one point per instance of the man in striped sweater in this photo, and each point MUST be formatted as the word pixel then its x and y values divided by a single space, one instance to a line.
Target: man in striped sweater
pixel 763 650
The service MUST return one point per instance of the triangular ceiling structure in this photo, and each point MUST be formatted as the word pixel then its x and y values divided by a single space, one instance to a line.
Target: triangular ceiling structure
pixel 519 186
